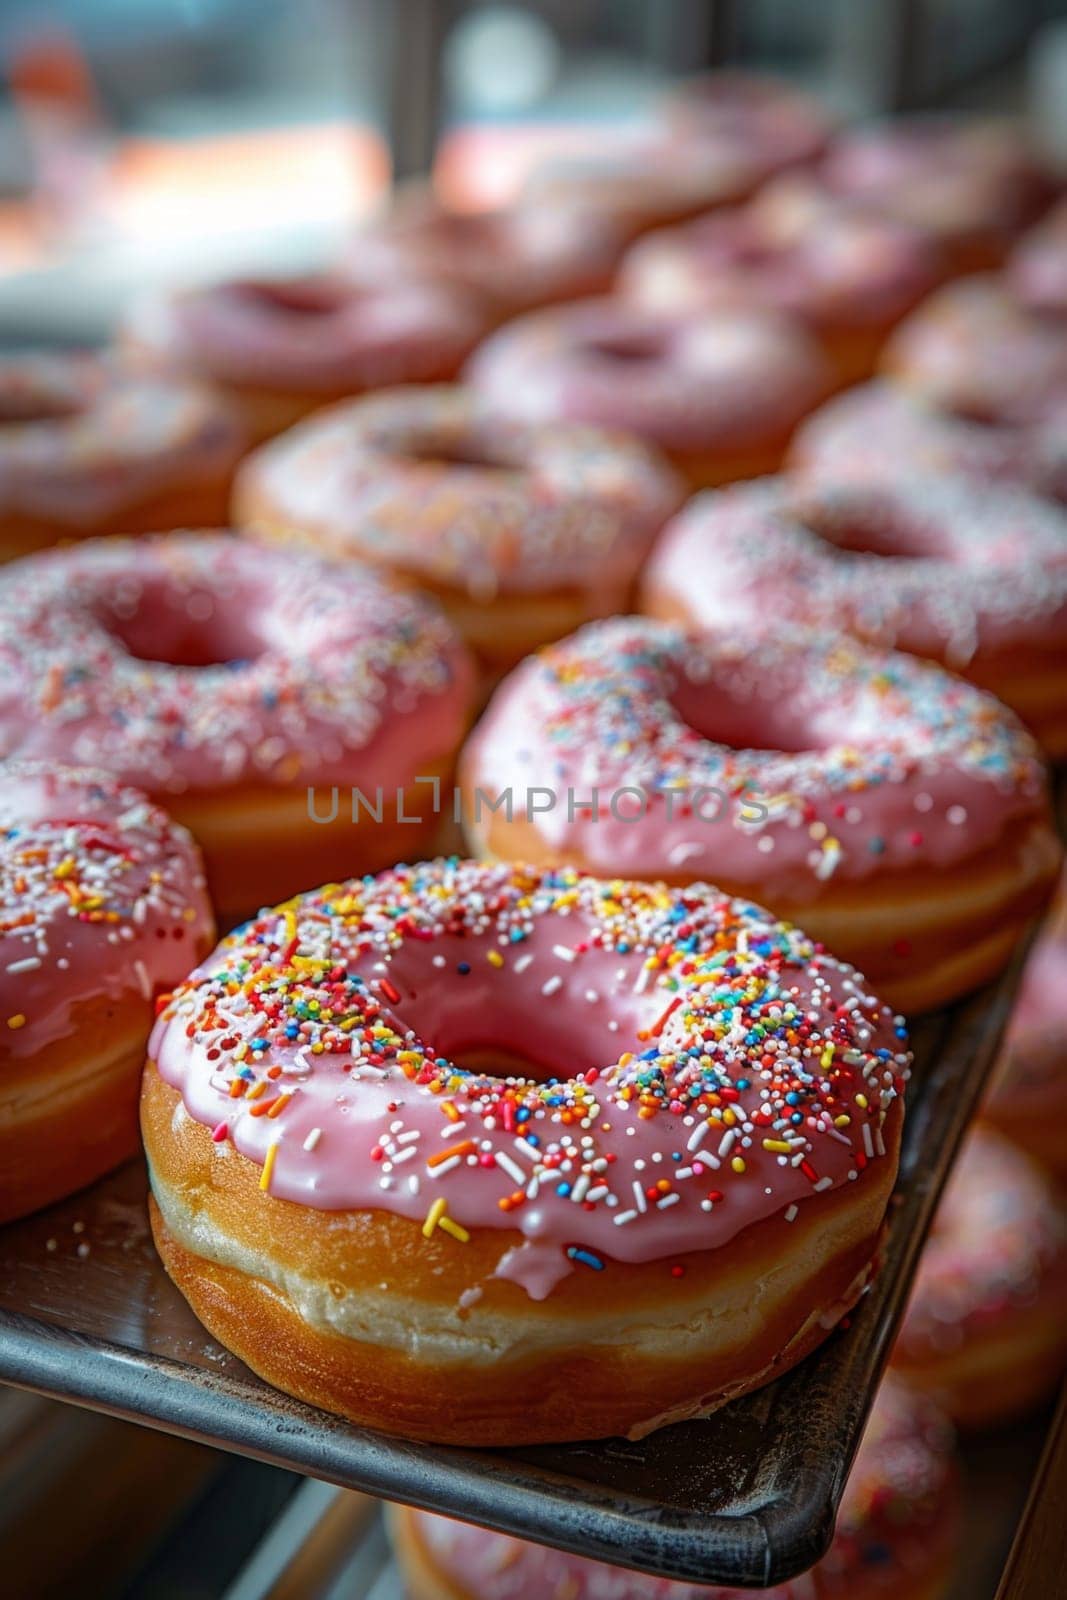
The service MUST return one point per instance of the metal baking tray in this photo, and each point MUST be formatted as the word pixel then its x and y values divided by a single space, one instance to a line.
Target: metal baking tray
pixel 746 1497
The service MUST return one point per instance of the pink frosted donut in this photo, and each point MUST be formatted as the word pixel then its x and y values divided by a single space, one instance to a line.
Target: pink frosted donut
pixel 894 812
pixel 764 118
pixel 279 349
pixel 515 259
pixel 985 1330
pixel 1037 270
pixel 849 276
pixel 89 446
pixel 547 1157
pixel 974 577
pixel 720 392
pixel 102 907
pixel 522 530
pixel 1027 1100
pixel 226 680
pixel 973 351
pixel 973 182
pixel 896 1537
pixel 882 430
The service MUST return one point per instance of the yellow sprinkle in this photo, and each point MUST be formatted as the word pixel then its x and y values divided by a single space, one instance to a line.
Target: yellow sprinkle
pixel 776 1144
pixel 65 868
pixel 738 1164
pixel 258 1089
pixel 449 1109
pixel 433 1217
pixel 454 1229
pixel 268 1166
pixel 494 958
pixel 17 1021
pixel 861 1101
pixel 842 1121
pixel 826 1057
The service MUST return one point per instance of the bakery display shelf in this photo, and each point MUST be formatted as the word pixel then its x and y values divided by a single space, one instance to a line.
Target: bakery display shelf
pixel 745 1497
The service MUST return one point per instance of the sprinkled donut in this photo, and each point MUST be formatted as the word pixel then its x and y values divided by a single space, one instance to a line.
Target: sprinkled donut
pixel 984 1332
pixel 849 276
pixel 894 812
pixel 514 259
pixel 231 682
pixel 973 351
pixel 720 392
pixel 102 907
pixel 1027 1100
pixel 973 182
pixel 281 349
pixel 897 1533
pixel 521 530
pixel 880 429
pixel 971 576
pixel 88 446
pixel 1037 269
pixel 548 1223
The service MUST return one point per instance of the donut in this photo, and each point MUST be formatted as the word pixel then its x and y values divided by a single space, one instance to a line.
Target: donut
pixel 972 576
pixel 984 1331
pixel 1037 268
pixel 712 144
pixel 516 258
pixel 102 906
pixel 1027 1100
pixel 719 392
pixel 894 812
pixel 971 350
pixel 849 276
pixel 89 446
pixel 883 429
pixel 279 349
pixel 766 118
pixel 521 530
pixel 644 1163
pixel 973 182
pixel 896 1538
pixel 240 687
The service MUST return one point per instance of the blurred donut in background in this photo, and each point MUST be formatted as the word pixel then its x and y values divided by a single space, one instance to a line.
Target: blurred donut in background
pixel 985 1333
pixel 89 446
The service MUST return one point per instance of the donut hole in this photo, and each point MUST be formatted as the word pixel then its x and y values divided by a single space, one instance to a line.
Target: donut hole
pixel 626 349
pixel 305 297
pixel 429 451
pixel 21 407
pixel 748 723
pixel 182 630
pixel 869 530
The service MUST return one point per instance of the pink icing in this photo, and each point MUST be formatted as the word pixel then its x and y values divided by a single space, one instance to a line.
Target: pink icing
pixel 999 1241
pixel 196 661
pixel 881 429
pixel 317 334
pixel 83 437
pixel 517 258
pixel 763 117
pixel 100 895
pixel 830 760
pixel 719 380
pixel 699 1066
pixel 898 1505
pixel 972 350
pixel 930 565
pixel 840 268
pixel 955 175
pixel 432 482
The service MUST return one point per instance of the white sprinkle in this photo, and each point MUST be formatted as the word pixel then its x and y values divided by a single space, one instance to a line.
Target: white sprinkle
pixel 668 1200
pixel 512 1168
pixel 643 979
pixel 446 1166
pixel 640 1197
pixel 824 1183
pixel 581 1185
pixel 313 1138
pixel 791 1213
pixel 452 1129
pixel 868 1142
pixel 564 953
pixel 623 1217
pixel 143 979
pixel 553 985
pixel 27 964
pixel 522 962
pixel 697 1137
pixel 726 1142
